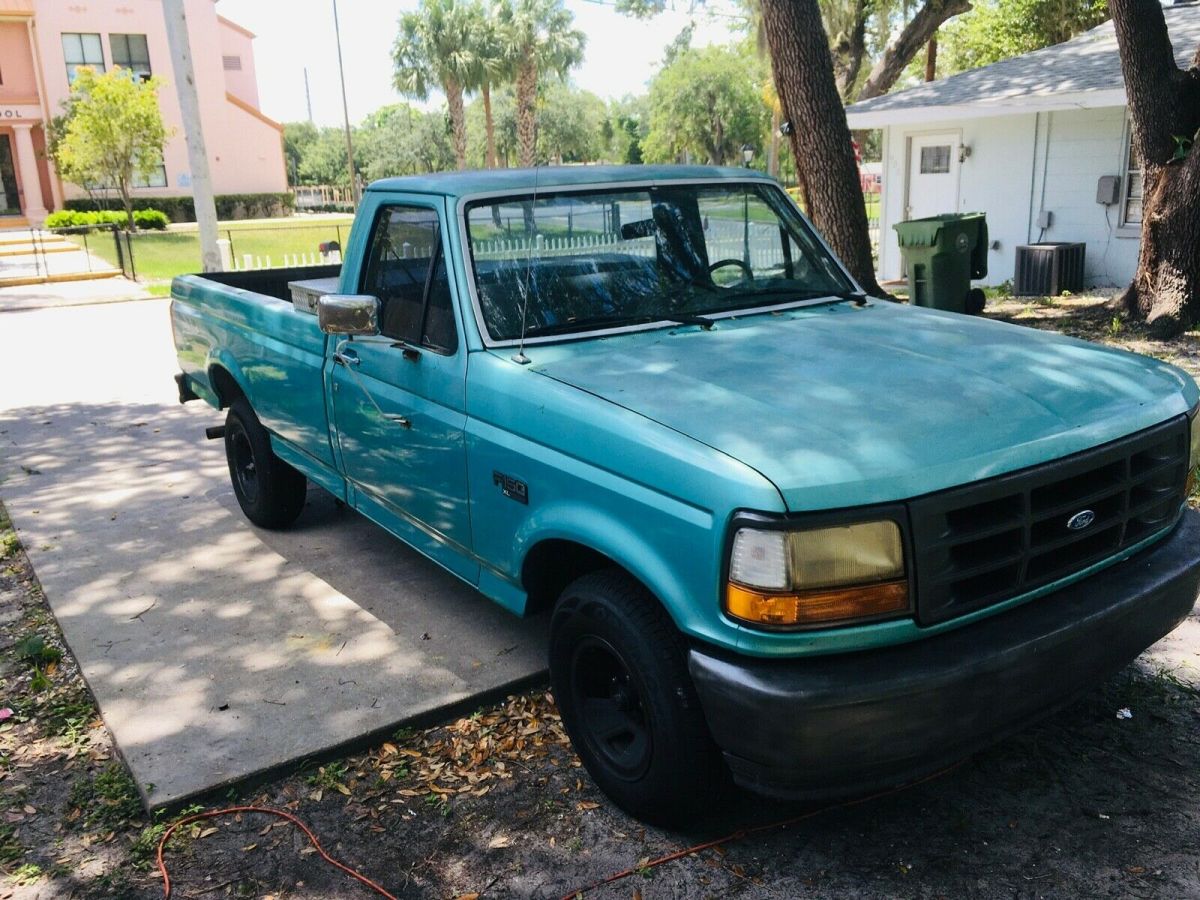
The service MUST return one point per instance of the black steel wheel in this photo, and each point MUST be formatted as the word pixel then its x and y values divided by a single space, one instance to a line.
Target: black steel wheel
pixel 618 668
pixel 270 492
pixel 613 708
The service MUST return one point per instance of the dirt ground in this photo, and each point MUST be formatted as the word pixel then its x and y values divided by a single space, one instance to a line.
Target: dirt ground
pixel 1087 804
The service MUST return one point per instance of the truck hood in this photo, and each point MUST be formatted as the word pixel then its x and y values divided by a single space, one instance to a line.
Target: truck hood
pixel 840 406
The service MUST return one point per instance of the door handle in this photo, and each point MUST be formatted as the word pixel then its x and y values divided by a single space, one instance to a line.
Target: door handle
pixel 347 357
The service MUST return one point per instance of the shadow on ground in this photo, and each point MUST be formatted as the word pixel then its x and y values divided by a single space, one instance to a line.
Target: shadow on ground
pixel 216 650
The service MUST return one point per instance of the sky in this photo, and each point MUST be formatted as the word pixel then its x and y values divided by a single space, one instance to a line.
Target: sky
pixel 622 53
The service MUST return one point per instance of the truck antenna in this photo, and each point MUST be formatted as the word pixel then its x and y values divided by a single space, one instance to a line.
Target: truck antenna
pixel 521 358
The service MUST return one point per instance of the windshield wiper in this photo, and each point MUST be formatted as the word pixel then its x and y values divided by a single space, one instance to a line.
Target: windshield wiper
pixel 858 298
pixel 684 319
pixel 618 321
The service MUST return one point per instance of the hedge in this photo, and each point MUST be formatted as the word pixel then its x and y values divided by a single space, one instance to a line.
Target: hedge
pixel 229 206
pixel 145 219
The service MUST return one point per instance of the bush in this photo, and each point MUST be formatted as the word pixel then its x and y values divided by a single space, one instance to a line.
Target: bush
pixel 229 206
pixel 142 218
pixel 150 219
pixel 72 219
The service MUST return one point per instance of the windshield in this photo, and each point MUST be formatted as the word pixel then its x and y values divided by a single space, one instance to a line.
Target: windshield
pixel 570 263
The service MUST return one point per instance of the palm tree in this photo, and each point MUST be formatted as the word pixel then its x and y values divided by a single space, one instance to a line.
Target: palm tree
pixel 537 37
pixel 436 45
pixel 491 66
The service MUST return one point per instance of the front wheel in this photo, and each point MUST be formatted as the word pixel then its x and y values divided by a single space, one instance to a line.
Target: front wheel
pixel 269 491
pixel 618 668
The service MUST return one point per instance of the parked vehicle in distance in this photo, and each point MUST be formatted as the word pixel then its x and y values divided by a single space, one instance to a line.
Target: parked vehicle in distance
pixel 787 533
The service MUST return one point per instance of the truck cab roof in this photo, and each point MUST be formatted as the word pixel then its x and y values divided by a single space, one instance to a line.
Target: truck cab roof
pixel 468 183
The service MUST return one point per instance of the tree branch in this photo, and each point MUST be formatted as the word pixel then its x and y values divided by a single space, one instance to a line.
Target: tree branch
pixel 916 34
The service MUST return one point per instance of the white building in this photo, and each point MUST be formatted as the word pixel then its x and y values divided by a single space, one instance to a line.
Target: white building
pixel 1026 141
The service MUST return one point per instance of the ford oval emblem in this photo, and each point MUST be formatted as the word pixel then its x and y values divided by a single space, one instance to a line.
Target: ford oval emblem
pixel 1081 520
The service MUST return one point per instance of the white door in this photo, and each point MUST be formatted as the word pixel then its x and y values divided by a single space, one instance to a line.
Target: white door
pixel 932 175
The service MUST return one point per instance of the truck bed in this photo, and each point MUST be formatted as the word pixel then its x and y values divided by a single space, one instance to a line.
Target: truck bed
pixel 245 323
pixel 272 282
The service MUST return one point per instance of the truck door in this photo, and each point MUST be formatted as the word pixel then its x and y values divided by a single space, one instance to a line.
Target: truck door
pixel 399 398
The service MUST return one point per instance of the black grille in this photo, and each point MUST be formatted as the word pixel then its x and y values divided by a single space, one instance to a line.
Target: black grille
pixel 988 541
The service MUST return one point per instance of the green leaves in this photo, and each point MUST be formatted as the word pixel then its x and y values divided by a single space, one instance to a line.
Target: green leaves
pixel 110 132
pixel 707 103
pixel 34 650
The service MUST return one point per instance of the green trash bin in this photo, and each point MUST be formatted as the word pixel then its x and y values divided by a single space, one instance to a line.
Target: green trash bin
pixel 941 256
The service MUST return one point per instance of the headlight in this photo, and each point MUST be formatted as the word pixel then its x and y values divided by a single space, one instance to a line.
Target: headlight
pixel 1193 484
pixel 820 576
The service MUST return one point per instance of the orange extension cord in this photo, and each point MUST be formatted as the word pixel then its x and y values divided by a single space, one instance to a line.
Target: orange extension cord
pixel 570 895
pixel 746 832
pixel 162 868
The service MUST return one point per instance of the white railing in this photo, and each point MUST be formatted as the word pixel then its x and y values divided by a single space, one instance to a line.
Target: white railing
pixel 310 195
pixel 765 249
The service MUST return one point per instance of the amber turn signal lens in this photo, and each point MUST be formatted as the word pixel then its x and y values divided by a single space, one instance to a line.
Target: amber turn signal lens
pixel 816 607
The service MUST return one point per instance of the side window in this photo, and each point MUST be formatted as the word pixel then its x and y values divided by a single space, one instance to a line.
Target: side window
pixel 439 331
pixel 416 306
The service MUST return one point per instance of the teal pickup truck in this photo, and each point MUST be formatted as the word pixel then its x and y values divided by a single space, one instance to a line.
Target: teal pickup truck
pixel 784 532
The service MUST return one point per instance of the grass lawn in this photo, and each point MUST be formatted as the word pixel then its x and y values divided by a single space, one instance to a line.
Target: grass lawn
pixel 161 255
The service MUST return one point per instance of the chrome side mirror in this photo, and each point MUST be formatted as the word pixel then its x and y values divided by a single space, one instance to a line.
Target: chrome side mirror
pixel 350 314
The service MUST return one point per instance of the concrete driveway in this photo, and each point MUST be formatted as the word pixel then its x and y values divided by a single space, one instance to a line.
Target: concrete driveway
pixel 216 651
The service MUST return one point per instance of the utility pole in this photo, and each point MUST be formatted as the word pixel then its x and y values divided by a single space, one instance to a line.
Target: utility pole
pixel 308 96
pixel 189 105
pixel 337 33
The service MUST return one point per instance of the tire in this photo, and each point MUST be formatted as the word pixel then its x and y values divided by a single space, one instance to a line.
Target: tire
pixel 618 669
pixel 269 491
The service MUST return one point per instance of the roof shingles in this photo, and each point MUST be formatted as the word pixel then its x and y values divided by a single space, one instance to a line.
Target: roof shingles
pixel 1089 62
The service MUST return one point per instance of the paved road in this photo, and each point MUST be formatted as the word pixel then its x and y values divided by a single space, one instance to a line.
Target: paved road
pixel 215 650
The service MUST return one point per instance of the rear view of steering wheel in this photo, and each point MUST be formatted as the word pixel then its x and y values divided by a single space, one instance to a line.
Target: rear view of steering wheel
pixel 741 264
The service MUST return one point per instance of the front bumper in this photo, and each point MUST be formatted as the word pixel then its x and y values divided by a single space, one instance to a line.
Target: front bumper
pixel 834 725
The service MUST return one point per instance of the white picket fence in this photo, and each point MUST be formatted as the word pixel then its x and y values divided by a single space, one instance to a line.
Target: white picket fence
pixel 765 249
pixel 252 261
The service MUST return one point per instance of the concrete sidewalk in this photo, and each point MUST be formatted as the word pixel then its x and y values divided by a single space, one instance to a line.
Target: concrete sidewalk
pixel 214 650
pixel 70 293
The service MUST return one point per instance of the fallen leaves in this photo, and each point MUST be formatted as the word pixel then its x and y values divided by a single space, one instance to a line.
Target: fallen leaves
pixel 469 756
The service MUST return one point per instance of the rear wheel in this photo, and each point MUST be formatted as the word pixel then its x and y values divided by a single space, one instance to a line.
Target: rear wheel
pixel 270 492
pixel 618 668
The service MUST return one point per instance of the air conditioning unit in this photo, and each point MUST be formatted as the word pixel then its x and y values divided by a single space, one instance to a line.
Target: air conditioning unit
pixel 1048 269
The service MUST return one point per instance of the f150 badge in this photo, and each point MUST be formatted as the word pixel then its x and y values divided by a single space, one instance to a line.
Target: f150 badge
pixel 512 488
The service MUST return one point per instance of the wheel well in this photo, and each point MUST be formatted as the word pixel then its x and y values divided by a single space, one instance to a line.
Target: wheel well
pixel 553 564
pixel 225 386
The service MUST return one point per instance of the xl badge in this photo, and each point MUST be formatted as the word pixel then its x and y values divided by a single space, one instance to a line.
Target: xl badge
pixel 512 488
pixel 1081 520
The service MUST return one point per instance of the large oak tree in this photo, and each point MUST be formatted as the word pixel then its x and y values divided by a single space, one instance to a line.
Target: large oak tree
pixel 820 137
pixel 1164 108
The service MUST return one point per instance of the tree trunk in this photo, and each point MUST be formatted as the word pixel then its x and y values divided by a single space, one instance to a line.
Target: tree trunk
pixel 1164 103
pixel 489 127
pixel 126 201
pixel 527 113
pixel 825 166
pixel 915 35
pixel 458 121
pixel 931 59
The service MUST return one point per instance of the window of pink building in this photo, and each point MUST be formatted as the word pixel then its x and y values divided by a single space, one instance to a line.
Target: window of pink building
pixel 82 50
pixel 130 52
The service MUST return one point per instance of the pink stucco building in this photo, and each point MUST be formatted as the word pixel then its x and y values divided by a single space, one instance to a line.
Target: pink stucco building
pixel 41 43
